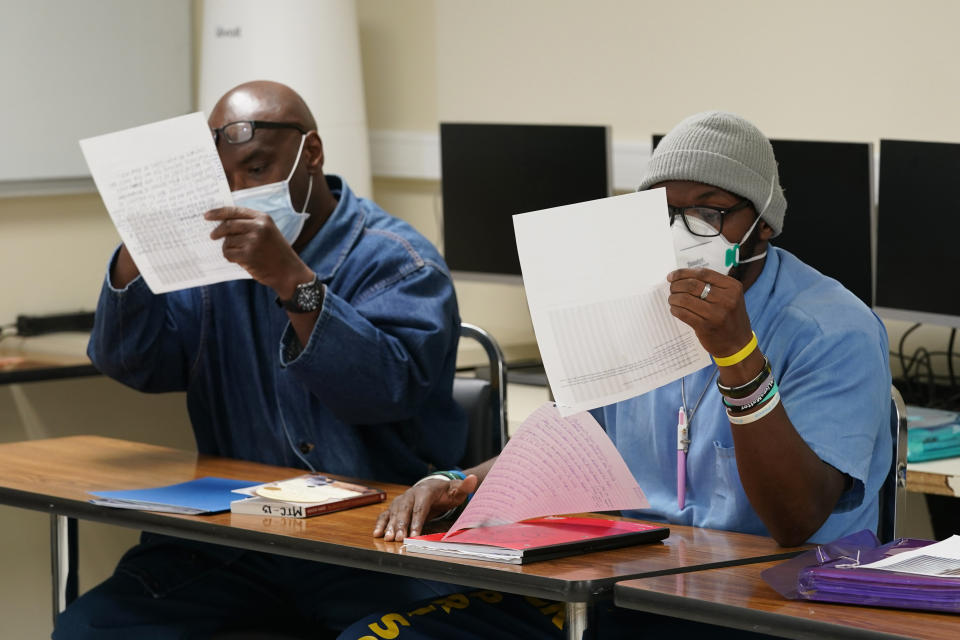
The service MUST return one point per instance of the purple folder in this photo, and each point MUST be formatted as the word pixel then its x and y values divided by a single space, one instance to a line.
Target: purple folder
pixel 831 573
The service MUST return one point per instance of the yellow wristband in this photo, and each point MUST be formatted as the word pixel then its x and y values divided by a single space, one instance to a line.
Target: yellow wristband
pixel 739 356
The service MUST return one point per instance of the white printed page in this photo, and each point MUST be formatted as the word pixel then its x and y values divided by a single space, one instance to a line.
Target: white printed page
pixel 553 465
pixel 595 278
pixel 941 559
pixel 157 181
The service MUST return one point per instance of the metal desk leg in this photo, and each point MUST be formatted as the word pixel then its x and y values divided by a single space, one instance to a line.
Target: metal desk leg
pixel 63 561
pixel 578 622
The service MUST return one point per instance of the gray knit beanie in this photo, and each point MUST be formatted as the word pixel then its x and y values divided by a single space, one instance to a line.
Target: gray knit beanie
pixel 723 150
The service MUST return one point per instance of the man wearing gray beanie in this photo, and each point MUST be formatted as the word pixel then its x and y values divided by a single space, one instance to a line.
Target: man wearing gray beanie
pixel 787 433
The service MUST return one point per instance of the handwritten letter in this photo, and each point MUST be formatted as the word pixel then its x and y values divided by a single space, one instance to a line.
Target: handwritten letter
pixel 156 182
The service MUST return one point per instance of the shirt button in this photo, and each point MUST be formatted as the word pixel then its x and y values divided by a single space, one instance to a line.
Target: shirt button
pixel 306 447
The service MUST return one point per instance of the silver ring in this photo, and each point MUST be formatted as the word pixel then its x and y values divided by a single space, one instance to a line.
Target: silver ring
pixel 706 291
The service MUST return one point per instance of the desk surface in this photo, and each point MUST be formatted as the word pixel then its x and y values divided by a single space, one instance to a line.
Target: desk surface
pixel 738 597
pixel 50 357
pixel 54 475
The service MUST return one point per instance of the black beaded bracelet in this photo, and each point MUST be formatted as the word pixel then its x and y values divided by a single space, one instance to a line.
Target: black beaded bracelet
pixel 744 390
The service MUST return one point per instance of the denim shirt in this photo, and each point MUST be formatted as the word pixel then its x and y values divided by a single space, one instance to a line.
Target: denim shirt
pixel 829 355
pixel 369 395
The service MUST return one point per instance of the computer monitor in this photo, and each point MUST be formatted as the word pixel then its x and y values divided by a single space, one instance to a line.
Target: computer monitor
pixel 492 171
pixel 828 223
pixel 917 232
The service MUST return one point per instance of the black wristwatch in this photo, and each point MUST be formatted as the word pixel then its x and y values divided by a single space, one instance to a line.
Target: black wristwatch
pixel 307 297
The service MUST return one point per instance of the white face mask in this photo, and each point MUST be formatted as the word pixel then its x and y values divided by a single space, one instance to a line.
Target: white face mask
pixel 274 200
pixel 716 252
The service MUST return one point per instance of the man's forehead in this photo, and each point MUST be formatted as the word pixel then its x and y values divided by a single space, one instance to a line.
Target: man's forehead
pixel 245 105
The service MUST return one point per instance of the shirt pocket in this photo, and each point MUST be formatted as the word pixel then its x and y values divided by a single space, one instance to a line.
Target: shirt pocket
pixel 726 482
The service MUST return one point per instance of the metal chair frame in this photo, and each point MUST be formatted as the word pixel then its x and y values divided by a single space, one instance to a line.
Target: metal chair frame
pixel 497 378
pixel 893 493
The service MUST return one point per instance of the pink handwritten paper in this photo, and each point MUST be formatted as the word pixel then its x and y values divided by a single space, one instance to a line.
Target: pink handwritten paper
pixel 553 465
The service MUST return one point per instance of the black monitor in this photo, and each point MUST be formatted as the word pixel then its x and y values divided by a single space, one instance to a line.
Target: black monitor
pixel 492 171
pixel 917 232
pixel 828 222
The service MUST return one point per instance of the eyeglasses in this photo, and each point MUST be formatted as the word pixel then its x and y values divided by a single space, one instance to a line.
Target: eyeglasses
pixel 712 216
pixel 240 132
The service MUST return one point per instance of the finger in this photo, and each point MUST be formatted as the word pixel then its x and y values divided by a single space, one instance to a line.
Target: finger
pixel 703 275
pixel 388 519
pixel 396 524
pixel 688 286
pixel 421 509
pixel 696 310
pixel 399 529
pixel 234 227
pixel 688 317
pixel 227 213
pixel 381 524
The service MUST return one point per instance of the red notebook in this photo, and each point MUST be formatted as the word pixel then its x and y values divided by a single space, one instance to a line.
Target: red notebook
pixel 537 539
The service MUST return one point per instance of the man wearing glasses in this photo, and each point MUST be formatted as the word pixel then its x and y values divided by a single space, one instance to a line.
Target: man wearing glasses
pixel 337 356
pixel 786 434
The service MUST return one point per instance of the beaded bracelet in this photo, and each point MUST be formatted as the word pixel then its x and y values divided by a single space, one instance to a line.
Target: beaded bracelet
pixel 746 390
pixel 739 356
pixel 756 415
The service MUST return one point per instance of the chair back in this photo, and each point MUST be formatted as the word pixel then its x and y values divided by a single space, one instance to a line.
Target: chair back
pixel 894 489
pixel 484 400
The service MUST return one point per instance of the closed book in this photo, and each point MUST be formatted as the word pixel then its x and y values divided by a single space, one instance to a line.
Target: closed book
pixel 537 539
pixel 304 496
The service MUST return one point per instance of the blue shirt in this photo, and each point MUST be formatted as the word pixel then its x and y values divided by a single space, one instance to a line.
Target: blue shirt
pixel 369 395
pixel 830 357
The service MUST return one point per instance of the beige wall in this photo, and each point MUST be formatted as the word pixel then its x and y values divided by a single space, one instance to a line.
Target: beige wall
pixel 858 70
pixel 852 70
pixel 855 70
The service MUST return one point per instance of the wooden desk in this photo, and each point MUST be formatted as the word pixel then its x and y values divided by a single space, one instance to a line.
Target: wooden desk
pixel 54 476
pixel 49 357
pixel 737 597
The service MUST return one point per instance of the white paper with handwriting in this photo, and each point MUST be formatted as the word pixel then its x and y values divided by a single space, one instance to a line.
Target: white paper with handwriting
pixel 553 465
pixel 157 181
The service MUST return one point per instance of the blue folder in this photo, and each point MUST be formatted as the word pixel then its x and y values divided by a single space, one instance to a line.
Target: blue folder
pixel 932 434
pixel 203 495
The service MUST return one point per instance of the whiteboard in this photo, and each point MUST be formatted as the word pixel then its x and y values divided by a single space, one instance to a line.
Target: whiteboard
pixel 72 69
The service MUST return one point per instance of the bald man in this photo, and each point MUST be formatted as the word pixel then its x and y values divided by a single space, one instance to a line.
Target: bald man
pixel 338 356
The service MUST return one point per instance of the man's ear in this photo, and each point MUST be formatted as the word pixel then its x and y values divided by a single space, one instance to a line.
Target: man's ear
pixel 313 150
pixel 765 231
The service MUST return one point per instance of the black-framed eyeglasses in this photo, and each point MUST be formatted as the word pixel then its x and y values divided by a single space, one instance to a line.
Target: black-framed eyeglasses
pixel 242 131
pixel 712 216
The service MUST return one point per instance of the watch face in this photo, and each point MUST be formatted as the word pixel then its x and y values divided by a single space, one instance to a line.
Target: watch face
pixel 307 297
